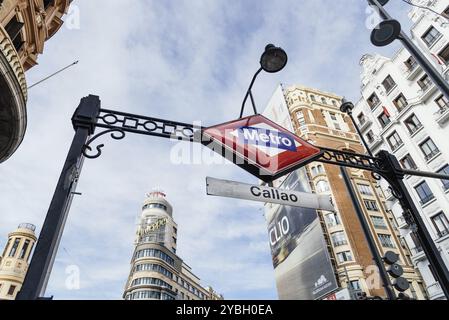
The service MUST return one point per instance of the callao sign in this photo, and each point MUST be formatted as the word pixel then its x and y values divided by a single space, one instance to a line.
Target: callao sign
pixel 260 146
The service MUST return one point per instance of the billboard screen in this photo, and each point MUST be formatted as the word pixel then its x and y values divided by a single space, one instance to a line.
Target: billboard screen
pixel 302 267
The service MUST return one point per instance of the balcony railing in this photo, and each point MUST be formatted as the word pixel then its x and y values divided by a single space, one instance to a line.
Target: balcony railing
pixel 442 115
pixel 443 233
pixel 432 154
pixel 415 128
pixel 397 146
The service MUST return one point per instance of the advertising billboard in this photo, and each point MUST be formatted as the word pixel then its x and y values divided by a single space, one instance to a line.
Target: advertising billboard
pixel 302 267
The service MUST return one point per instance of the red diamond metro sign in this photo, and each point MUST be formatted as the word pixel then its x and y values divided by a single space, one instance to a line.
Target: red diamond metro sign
pixel 260 146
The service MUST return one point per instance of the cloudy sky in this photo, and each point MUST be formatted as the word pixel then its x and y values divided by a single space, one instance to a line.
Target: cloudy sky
pixel 186 60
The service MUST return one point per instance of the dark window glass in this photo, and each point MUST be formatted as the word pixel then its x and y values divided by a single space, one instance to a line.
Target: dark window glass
pixel 388 84
pixel 413 124
pixel 425 83
pixel 445 170
pixel 400 102
pixel 442 102
pixel 408 163
pixel 394 140
pixel 424 192
pixel 24 249
pixel 13 251
pixel 429 149
pixel 373 101
pixel 441 224
pixel 431 36
pixel 384 119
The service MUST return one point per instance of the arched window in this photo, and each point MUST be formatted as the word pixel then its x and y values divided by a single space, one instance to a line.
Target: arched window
pixel 320 169
pixel 322 186
pixel 314 171
pixel 312 97
pixel 323 100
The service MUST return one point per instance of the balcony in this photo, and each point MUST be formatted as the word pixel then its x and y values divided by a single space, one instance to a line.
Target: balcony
pixel 432 155
pixel 374 142
pixel 434 291
pixel 413 71
pixel 364 124
pixel 427 89
pixel 442 116
pixel 13 97
pixel 402 223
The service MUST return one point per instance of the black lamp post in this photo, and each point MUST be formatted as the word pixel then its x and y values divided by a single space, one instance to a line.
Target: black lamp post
pixel 394 176
pixel 389 30
pixel 272 60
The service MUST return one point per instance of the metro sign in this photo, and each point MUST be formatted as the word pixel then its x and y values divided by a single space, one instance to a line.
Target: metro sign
pixel 260 146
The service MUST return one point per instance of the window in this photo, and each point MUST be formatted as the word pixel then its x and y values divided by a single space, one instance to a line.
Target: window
pixel 6 247
pixel 373 101
pixel 153 267
pixel 355 285
pixel 333 116
pixel 408 163
pixel 12 253
pixel 332 219
pixel 413 124
pixel 424 192
pixel 13 28
pixel 400 102
pixel 371 205
pixel 429 149
pixel 154 205
pixel 312 97
pixel 411 63
pixel 320 168
pixel 441 224
pixel 431 36
pixel 11 290
pixel 445 170
pixel 300 118
pixel 322 186
pixel 344 256
pixel 23 251
pixel 388 84
pixel 338 238
pixel 384 119
pixel 365 189
pixel 155 253
pixel 334 103
pixel 323 101
pixel 386 240
pixel 47 3
pixel 151 281
pixel 361 118
pixel 444 54
pixel 425 83
pixel 378 222
pixel 442 102
pixel 394 140
pixel 370 136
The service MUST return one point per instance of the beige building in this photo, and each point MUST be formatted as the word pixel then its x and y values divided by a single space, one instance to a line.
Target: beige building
pixel 157 272
pixel 25 25
pixel 14 260
pixel 317 118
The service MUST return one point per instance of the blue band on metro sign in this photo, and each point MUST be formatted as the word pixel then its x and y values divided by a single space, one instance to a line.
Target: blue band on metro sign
pixel 267 138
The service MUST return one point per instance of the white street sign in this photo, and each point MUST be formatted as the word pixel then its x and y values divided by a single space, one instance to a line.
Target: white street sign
pixel 238 190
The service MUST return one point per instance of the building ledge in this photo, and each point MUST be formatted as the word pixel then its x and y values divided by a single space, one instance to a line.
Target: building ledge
pixel 13 98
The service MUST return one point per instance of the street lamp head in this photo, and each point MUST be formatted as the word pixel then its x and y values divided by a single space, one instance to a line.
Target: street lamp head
pixel 273 59
pixel 346 106
pixel 385 33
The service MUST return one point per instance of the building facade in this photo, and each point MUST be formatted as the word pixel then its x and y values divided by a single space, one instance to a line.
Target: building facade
pixel 317 118
pixel 402 111
pixel 25 25
pixel 14 260
pixel 157 272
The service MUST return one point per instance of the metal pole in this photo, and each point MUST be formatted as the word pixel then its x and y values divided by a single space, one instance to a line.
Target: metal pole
pixel 360 134
pixel 395 178
pixel 248 93
pixel 366 230
pixel 428 68
pixel 36 279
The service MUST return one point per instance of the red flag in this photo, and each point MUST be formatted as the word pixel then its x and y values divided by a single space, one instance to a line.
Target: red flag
pixel 386 111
